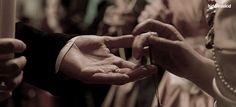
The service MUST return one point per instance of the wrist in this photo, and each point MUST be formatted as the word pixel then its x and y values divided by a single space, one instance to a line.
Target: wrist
pixel 202 75
pixel 62 54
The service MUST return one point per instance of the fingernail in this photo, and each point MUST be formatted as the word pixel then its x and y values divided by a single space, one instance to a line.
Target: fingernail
pixel 101 70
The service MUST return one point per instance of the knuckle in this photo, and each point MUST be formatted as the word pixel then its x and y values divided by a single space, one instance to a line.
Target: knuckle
pixel 150 21
pixel 179 44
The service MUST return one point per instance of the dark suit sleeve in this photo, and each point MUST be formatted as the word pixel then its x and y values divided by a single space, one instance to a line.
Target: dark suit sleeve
pixel 41 53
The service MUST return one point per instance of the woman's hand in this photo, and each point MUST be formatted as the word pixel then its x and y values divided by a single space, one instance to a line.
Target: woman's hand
pixel 172 52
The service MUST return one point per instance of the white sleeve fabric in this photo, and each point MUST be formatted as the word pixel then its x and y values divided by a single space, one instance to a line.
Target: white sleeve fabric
pixel 63 52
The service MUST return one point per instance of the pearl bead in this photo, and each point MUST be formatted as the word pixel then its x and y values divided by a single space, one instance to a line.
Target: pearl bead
pixel 223 80
pixel 220 73
pixel 214 57
pixel 221 77
pixel 226 83
pixel 215 63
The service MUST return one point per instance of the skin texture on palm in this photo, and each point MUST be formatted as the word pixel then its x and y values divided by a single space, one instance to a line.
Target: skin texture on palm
pixel 11 73
pixel 172 52
pixel 90 61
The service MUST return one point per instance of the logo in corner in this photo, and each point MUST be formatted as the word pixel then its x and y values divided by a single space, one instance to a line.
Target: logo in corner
pixel 221 1
pixel 218 4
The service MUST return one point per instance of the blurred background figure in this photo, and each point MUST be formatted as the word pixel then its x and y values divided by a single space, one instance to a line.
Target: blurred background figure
pixel 65 16
pixel 59 16
pixel 53 15
pixel 121 17
pixel 31 12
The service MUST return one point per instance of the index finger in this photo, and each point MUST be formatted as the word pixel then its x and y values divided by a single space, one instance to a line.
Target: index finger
pixel 124 41
pixel 163 29
pixel 8 45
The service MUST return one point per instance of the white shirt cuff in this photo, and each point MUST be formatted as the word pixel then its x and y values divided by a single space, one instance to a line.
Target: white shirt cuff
pixel 63 52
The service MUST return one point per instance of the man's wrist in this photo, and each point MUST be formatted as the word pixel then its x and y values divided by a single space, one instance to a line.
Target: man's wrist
pixel 63 52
